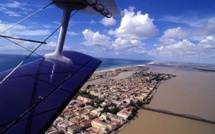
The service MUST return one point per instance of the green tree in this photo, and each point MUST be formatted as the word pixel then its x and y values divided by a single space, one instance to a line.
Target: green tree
pixel 115 110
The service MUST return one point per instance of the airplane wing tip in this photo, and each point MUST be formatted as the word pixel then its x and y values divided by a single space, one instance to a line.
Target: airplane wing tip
pixel 37 92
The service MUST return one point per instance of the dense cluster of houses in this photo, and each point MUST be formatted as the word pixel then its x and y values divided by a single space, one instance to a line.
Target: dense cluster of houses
pixel 105 107
pixel 106 73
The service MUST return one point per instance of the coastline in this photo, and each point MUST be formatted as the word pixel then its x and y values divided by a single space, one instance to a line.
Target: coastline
pixel 190 92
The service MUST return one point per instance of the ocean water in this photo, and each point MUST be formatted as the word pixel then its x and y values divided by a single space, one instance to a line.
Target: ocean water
pixel 11 61
pixel 108 63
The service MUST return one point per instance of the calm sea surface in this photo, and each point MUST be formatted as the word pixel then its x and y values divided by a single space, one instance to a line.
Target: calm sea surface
pixel 10 61
pixel 115 63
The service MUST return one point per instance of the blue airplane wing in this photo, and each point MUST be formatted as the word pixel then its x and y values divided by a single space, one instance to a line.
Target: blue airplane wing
pixel 35 94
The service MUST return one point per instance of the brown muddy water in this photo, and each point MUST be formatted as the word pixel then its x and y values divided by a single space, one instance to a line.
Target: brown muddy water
pixel 190 92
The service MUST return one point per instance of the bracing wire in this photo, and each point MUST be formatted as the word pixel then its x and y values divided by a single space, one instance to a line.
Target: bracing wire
pixel 8 38
pixel 27 17
pixel 23 47
pixel 35 104
pixel 6 77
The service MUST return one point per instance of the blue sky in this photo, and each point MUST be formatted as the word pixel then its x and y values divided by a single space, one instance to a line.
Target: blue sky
pixel 166 30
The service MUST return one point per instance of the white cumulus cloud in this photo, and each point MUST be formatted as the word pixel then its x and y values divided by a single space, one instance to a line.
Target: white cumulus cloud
pixel 175 33
pixel 108 21
pixel 208 46
pixel 185 49
pixel 135 26
pixel 121 43
pixel 171 35
pixel 95 38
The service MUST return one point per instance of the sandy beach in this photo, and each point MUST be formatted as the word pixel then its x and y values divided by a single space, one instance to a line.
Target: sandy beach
pixel 190 92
